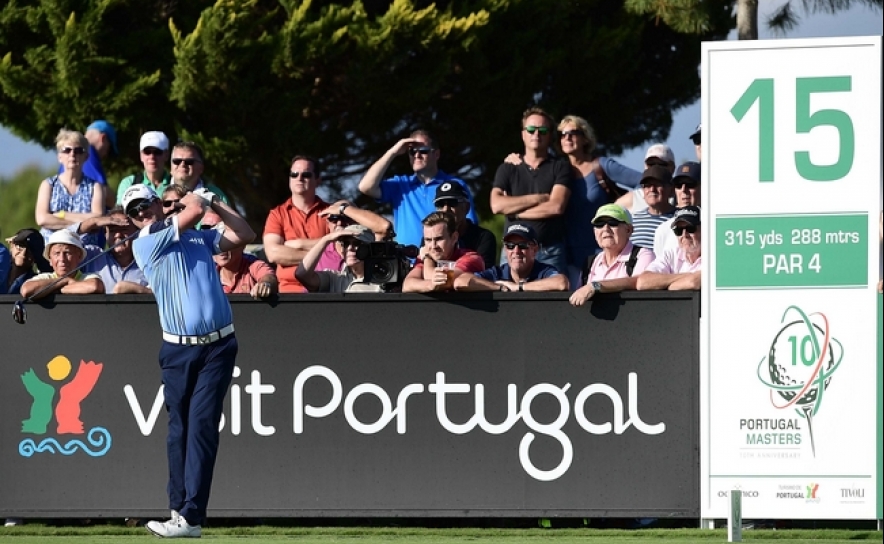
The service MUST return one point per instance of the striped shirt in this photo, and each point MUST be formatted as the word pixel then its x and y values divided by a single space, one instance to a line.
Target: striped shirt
pixel 644 225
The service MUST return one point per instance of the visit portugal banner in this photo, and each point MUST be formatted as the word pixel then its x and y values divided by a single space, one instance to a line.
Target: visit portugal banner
pixel 791 367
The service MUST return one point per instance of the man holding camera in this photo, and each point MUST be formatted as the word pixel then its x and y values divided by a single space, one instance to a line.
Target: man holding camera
pixel 440 261
pixel 351 278
pixel 411 197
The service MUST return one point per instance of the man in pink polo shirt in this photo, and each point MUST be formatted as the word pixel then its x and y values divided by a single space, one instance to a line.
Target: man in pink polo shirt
pixel 678 268
pixel 440 249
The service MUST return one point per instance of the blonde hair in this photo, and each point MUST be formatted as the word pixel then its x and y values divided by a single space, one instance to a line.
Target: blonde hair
pixel 66 136
pixel 584 127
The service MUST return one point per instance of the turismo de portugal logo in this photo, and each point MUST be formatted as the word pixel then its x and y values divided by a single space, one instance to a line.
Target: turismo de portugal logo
pixel 800 363
pixel 57 423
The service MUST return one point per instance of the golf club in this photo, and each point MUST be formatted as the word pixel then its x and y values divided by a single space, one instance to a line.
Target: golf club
pixel 18 308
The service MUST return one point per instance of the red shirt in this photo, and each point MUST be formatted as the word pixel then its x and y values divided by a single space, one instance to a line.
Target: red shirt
pixel 251 269
pixel 291 223
pixel 465 260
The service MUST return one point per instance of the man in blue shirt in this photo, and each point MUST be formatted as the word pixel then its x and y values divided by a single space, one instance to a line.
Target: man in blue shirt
pixel 411 196
pixel 522 271
pixel 199 347
pixel 117 267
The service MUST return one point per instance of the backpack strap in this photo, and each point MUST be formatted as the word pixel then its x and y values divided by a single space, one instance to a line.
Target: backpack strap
pixel 633 258
pixel 584 274
pixel 608 186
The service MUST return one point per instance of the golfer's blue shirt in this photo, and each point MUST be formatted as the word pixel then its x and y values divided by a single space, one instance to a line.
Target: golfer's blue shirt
pixel 183 277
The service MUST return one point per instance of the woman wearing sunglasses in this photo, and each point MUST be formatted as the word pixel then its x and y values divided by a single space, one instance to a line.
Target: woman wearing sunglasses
pixel 617 266
pixel 69 197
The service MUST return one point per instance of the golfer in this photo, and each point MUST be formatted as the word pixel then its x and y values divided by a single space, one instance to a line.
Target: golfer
pixel 199 347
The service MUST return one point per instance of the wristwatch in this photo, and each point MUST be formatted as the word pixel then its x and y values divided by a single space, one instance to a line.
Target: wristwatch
pixel 341 208
pixel 596 287
pixel 521 285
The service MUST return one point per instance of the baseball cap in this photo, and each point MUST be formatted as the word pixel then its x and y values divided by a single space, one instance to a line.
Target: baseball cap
pixel 107 129
pixel 659 173
pixel 451 190
pixel 360 233
pixel 522 230
pixel 690 170
pixel 660 151
pixel 136 193
pixel 696 135
pixel 31 239
pixel 155 139
pixel 688 214
pixel 614 211
pixel 64 236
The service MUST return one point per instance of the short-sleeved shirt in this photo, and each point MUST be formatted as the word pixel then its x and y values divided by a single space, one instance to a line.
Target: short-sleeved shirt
pixel 183 277
pixel 344 281
pixel 127 182
pixel 600 270
pixel 290 223
pixel 502 272
pixel 412 201
pixel 520 180
pixel 644 226
pixel 251 269
pixel 5 265
pixel 673 261
pixel 110 271
pixel 330 259
pixel 465 260
pixel 481 241
pixel 664 238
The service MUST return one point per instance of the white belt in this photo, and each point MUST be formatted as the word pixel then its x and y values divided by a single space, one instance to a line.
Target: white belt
pixel 213 336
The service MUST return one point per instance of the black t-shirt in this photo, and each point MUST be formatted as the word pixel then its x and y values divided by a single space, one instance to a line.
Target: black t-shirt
pixel 520 180
pixel 481 241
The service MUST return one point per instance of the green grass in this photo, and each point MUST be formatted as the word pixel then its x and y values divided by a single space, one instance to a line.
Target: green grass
pixel 33 534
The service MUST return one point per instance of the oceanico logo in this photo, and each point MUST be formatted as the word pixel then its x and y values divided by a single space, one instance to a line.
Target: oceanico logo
pixel 517 409
pixel 66 410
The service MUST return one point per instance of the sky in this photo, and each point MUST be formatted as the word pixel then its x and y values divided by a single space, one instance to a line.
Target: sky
pixel 858 21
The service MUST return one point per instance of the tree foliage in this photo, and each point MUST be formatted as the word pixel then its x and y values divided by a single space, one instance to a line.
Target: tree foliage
pixel 257 81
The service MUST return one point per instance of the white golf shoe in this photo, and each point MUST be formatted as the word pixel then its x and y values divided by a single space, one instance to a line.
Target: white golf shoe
pixel 177 527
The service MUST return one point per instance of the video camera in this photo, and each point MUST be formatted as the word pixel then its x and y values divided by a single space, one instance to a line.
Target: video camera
pixel 386 263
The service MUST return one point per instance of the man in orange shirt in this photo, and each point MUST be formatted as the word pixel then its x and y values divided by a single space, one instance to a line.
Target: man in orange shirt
pixel 295 226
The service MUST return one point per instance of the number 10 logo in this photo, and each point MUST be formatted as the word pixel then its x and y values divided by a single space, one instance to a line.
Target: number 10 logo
pixel 762 92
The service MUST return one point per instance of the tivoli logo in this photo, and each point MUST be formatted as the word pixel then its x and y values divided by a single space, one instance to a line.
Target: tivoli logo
pixel 71 392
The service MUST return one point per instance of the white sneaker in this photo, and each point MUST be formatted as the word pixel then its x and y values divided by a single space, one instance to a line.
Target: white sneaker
pixel 12 522
pixel 174 528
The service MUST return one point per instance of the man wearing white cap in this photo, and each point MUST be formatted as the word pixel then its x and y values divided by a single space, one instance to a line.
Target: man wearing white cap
pixel 65 252
pixel 657 155
pixel 154 156
pixel 199 345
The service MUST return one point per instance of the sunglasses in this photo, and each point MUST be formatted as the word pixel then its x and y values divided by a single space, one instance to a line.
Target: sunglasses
pixel 448 203
pixel 685 184
pixel 351 242
pixel 335 218
pixel 142 206
pixel 613 223
pixel 425 150
pixel 187 162
pixel 207 227
pixel 521 245
pixel 169 203
pixel 531 129
pixel 567 133
pixel 67 150
pixel 302 175
pixel 679 230
pixel 152 151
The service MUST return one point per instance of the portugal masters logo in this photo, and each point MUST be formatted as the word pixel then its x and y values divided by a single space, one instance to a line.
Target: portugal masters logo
pixel 799 367
pixel 66 410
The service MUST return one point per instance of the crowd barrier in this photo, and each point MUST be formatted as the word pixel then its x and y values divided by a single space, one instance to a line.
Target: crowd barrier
pixel 468 405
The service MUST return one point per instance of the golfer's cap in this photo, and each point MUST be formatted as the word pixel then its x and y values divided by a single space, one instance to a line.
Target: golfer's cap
pixel 136 193
pixel 155 139
pixel 107 129
pixel 64 236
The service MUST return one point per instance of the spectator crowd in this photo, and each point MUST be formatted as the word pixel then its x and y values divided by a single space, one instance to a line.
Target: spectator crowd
pixel 573 221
